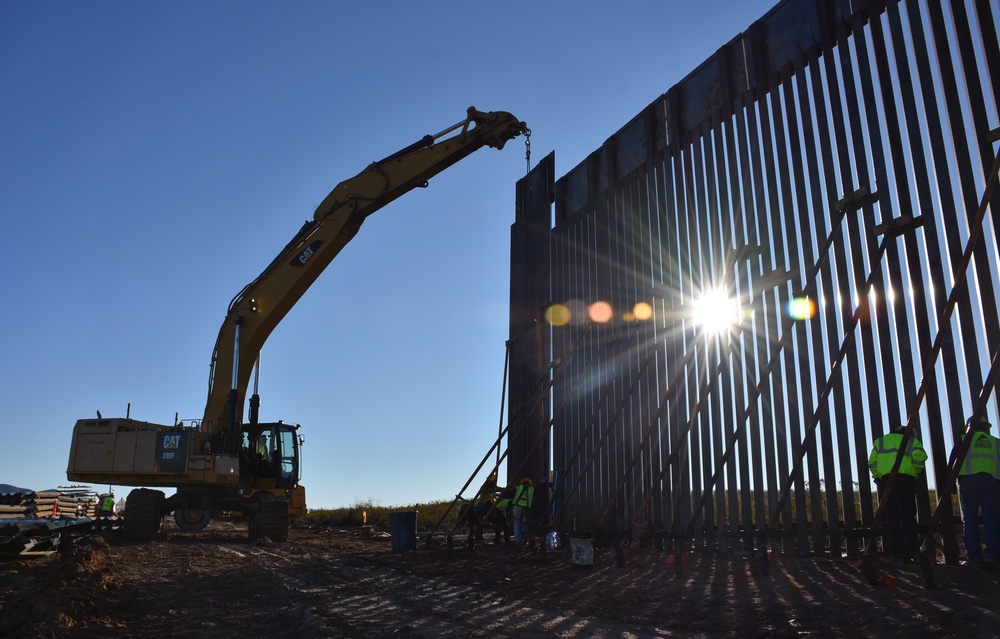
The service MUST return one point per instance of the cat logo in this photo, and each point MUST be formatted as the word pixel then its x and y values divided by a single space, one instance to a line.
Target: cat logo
pixel 300 260
pixel 171 456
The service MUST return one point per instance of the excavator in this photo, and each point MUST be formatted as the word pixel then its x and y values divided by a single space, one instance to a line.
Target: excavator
pixel 221 463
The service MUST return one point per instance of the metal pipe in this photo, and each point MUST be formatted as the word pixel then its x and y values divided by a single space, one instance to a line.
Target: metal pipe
pixel 232 427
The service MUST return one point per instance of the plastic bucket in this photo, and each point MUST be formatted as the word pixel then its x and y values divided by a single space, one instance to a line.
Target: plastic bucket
pixel 403 530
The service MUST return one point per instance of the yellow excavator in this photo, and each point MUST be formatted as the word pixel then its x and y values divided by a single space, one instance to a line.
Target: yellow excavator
pixel 220 463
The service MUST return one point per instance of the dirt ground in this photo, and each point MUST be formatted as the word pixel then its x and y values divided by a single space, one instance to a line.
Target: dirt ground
pixel 335 583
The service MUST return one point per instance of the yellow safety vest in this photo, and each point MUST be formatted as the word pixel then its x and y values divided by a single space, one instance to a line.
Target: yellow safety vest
pixel 524 496
pixel 884 452
pixel 982 456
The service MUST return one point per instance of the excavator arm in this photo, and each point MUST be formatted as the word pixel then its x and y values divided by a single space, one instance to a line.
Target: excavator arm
pixel 256 310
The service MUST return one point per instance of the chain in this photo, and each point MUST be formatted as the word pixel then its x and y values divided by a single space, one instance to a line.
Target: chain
pixel 527 148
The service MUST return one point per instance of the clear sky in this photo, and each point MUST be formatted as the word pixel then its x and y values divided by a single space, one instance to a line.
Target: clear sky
pixel 154 157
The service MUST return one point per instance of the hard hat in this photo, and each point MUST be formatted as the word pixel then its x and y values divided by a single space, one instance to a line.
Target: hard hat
pixel 526 480
pixel 983 422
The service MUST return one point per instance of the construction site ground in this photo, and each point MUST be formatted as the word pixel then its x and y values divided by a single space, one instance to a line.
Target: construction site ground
pixel 343 583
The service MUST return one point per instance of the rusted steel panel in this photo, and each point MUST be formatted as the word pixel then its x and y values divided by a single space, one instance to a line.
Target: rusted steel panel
pixel 785 390
pixel 704 93
pixel 791 32
pixel 529 340
pixel 573 194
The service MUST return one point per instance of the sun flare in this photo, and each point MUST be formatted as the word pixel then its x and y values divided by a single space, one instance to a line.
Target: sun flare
pixel 716 312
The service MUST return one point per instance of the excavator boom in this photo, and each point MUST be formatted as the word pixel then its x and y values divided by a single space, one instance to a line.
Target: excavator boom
pixel 261 305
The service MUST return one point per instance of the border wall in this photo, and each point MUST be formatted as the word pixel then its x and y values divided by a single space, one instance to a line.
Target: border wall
pixel 783 171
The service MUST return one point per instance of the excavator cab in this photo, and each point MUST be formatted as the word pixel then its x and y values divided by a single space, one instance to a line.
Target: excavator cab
pixel 269 455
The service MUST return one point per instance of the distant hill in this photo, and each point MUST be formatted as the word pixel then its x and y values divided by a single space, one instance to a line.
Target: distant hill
pixel 7 489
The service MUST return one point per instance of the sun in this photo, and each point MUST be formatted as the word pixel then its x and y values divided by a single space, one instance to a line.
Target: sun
pixel 716 312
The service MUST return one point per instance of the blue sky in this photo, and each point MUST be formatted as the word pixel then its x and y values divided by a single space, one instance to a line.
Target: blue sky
pixel 154 157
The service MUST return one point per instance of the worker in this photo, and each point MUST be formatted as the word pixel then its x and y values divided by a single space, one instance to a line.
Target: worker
pixel 480 507
pixel 979 490
pixel 106 511
pixel 262 448
pixel 490 485
pixel 524 496
pixel 505 507
pixel 900 540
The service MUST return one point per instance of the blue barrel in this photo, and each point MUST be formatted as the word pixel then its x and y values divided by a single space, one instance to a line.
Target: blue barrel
pixel 403 530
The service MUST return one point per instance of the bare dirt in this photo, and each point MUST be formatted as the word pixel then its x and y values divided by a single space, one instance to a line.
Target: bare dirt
pixel 336 583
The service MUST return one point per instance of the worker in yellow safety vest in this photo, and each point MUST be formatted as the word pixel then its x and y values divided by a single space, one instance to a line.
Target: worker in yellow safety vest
pixel 979 490
pixel 523 498
pixel 505 506
pixel 900 540
pixel 106 510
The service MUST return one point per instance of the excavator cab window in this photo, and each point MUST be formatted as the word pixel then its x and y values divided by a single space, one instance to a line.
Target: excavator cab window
pixel 287 460
pixel 271 451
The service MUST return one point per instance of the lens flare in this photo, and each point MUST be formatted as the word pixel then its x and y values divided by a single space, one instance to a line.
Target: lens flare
pixel 642 311
pixel 557 315
pixel 577 312
pixel 600 312
pixel 801 308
